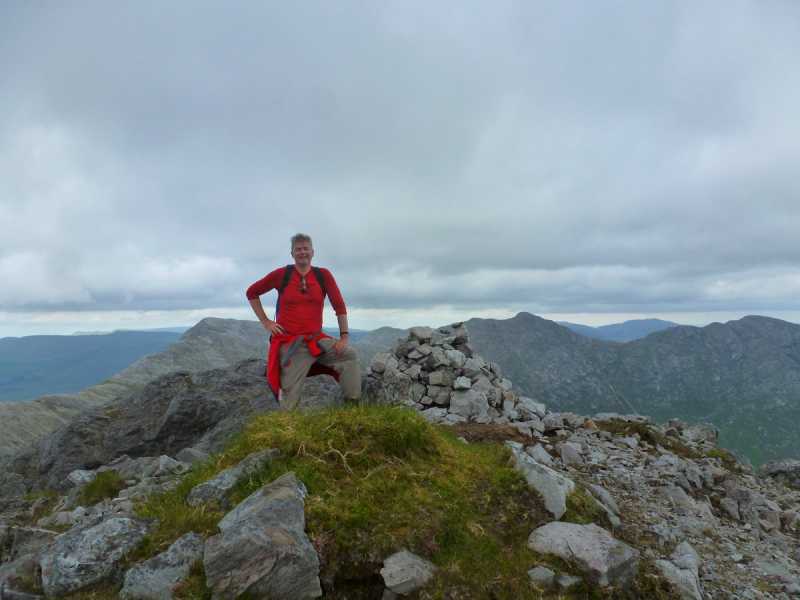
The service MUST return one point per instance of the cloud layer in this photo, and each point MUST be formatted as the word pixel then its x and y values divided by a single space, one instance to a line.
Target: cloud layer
pixel 620 157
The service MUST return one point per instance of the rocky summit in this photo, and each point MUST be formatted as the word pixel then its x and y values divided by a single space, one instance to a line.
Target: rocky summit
pixel 447 483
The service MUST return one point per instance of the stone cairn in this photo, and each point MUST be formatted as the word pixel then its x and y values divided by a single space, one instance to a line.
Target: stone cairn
pixel 437 372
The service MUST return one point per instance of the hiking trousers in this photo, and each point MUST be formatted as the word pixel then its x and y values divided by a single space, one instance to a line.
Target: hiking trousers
pixel 294 374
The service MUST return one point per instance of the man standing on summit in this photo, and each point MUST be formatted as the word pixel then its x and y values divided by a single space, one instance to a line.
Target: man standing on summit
pixel 298 347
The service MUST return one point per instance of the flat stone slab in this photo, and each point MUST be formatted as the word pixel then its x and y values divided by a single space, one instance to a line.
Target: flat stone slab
pixel 551 486
pixel 156 578
pixel 603 559
pixel 216 489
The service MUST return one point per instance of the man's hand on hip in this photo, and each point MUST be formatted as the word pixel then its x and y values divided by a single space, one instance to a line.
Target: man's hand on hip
pixel 340 345
pixel 274 328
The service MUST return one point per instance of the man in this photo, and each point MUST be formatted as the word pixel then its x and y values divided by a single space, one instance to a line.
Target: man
pixel 298 347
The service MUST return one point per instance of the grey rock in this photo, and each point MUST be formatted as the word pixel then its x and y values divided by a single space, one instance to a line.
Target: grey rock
pixel 730 507
pixel 191 456
pixel 469 404
pixel 686 557
pixel 604 560
pixel 540 455
pixel 436 359
pixel 435 415
pixel 462 383
pixel 678 497
pixel 570 454
pixel 441 377
pixel 414 371
pixel 552 486
pixel 565 582
pixel 84 556
pixel 542 577
pixel 553 422
pixel 473 366
pixel 156 578
pixel 404 572
pixel 217 488
pixel 602 494
pixel 81 477
pixel 685 583
pixel 263 548
pixel 383 361
pixel 456 358
pixel 529 409
pixel 423 334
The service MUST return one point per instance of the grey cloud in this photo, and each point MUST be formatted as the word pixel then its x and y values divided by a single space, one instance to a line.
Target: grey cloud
pixel 613 157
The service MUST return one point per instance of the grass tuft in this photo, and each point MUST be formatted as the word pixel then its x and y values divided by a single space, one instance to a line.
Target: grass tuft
pixel 106 484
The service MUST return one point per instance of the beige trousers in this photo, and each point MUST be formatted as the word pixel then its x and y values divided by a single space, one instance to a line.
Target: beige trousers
pixel 294 374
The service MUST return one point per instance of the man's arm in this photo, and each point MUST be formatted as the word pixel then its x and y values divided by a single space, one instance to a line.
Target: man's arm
pixel 262 286
pixel 268 324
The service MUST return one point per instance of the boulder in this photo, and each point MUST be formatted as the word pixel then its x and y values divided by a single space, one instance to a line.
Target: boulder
pixel 88 555
pixel 603 559
pixel 404 572
pixel 469 404
pixel 156 578
pixel 263 549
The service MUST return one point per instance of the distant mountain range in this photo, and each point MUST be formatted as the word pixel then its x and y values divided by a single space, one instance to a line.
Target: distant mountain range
pixel 54 364
pixel 743 376
pixel 621 332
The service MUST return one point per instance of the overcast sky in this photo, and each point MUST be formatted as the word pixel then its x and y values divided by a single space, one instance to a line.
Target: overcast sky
pixel 581 160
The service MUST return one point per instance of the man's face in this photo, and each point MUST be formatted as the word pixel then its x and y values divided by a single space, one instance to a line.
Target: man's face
pixel 302 252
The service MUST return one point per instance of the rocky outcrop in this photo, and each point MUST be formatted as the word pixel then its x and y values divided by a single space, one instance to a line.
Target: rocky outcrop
pixel 785 471
pixel 263 549
pixel 211 344
pixel 166 416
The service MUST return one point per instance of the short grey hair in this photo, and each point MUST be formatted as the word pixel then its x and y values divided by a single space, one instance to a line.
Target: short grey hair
pixel 301 237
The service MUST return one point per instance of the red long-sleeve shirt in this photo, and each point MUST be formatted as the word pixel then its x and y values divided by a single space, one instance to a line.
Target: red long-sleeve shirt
pixel 300 313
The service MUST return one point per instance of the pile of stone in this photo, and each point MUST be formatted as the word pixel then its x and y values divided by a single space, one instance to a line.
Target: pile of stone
pixel 436 371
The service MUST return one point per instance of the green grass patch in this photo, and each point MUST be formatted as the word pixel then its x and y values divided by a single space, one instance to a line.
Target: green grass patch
pixel 106 484
pixel 727 458
pixel 381 479
pixel 193 587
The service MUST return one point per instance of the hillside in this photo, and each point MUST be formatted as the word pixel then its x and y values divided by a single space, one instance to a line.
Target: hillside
pixel 212 343
pixel 198 488
pixel 743 376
